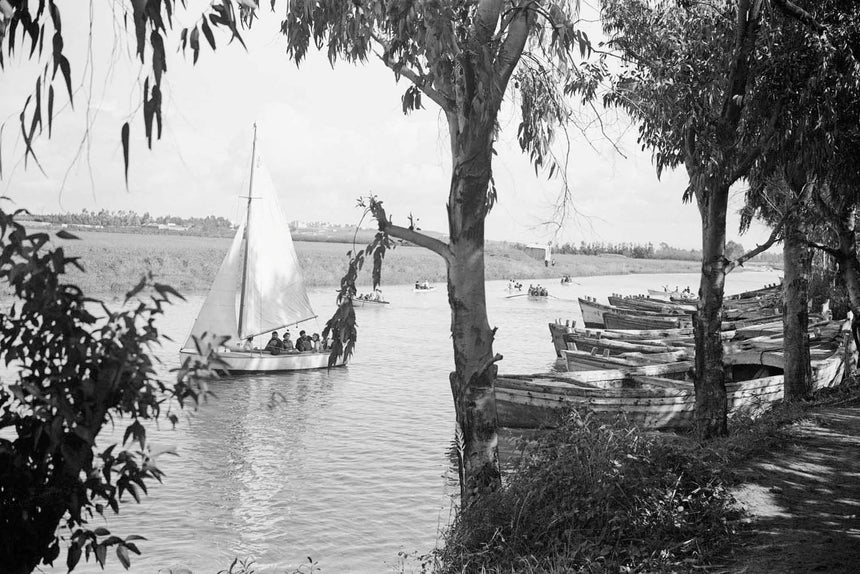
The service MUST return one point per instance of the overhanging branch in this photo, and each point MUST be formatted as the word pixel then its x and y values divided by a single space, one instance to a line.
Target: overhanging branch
pixel 775 235
pixel 794 11
pixel 419 80
pixel 436 246
pixel 406 233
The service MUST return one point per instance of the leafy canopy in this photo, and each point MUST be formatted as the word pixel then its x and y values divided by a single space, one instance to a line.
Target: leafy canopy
pixel 73 367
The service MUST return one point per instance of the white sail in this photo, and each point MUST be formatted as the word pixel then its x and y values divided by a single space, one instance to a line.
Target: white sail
pixel 273 295
pixel 219 314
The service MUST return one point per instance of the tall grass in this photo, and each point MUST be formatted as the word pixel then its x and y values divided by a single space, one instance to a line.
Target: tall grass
pixel 601 497
pixel 596 497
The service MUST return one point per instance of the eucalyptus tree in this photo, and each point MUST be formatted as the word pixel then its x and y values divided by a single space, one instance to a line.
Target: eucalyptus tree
pixel 686 72
pixel 770 199
pixel 810 156
pixel 464 56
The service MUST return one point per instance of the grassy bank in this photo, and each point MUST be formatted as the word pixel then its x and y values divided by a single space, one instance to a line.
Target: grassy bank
pixel 115 261
pixel 593 497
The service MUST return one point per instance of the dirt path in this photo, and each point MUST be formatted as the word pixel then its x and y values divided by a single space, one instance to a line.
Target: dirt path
pixel 804 501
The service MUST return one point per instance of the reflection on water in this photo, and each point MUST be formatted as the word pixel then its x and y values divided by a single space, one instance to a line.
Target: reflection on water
pixel 347 466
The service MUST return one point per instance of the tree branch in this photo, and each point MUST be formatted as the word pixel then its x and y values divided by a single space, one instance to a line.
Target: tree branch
pixel 775 236
pixel 436 246
pixel 486 20
pixel 825 248
pixel 406 233
pixel 511 50
pixel 420 80
pixel 745 163
pixel 794 11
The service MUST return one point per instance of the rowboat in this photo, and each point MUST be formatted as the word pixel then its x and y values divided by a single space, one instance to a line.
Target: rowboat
pixel 664 401
pixel 652 305
pixel 423 287
pixel 368 301
pixel 617 320
pixel 567 337
pixel 682 296
pixel 593 312
pixel 259 288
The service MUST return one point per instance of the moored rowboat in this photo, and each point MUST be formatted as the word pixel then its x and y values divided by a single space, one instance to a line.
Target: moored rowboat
pixel 756 382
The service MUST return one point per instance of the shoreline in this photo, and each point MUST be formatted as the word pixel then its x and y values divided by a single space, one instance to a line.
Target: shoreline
pixel 114 262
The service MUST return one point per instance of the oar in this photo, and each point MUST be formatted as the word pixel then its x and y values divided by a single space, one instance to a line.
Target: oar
pixel 517 295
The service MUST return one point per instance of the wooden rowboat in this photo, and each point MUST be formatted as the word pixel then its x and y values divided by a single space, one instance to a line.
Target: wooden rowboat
pixel 662 402
pixel 615 320
pixel 593 313
pixel 652 305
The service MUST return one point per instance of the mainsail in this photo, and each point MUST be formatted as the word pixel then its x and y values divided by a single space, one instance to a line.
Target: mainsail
pixel 262 253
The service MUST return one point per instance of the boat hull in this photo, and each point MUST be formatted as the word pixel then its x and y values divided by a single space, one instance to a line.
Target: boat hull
pixel 258 361
pixel 534 401
pixel 630 321
pixel 368 303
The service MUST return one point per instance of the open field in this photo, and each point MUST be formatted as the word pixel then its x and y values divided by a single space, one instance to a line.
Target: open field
pixel 115 261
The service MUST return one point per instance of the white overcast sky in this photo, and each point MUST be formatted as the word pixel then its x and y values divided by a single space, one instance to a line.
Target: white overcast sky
pixel 328 136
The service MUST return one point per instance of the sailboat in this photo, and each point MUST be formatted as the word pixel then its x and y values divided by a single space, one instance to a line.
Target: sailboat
pixel 258 289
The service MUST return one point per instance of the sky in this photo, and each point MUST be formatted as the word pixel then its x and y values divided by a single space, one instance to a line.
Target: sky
pixel 328 136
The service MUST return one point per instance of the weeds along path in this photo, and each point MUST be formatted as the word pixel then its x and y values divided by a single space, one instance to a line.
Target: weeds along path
pixel 804 501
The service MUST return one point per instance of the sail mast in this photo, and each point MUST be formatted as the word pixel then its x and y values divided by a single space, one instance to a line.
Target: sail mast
pixel 247 229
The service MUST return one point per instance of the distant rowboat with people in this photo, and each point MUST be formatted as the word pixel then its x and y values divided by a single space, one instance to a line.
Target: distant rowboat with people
pixel 423 287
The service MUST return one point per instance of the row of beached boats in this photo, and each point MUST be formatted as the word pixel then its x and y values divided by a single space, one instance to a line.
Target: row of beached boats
pixel 647 373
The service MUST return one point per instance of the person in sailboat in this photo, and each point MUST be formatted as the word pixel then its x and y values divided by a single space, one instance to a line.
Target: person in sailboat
pixel 248 344
pixel 275 345
pixel 317 344
pixel 287 343
pixel 303 343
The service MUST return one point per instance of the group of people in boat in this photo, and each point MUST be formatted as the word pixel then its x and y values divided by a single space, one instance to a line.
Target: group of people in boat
pixel 686 290
pixel 304 344
pixel 538 291
pixel 565 279
pixel 375 296
pixel 423 284
pixel 514 285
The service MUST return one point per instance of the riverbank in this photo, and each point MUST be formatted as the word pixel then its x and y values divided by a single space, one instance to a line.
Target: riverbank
pixel 778 495
pixel 114 262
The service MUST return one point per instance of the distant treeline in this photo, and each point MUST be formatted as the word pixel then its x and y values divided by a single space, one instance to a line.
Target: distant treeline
pixel 664 251
pixel 209 226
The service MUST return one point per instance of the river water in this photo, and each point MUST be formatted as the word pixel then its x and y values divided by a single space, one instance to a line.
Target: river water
pixel 351 466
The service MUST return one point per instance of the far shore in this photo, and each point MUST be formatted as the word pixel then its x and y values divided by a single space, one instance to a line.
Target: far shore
pixel 114 262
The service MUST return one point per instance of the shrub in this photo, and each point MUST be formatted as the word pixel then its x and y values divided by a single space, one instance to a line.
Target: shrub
pixel 597 497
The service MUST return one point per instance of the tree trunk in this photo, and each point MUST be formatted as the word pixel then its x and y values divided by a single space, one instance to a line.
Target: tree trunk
pixel 474 361
pixel 795 314
pixel 849 266
pixel 710 384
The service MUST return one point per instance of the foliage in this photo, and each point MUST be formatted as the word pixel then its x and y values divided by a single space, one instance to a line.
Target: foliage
pixel 75 366
pixel 597 497
pixel 342 324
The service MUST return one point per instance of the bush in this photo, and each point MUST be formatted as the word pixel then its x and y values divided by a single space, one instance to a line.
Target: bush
pixel 597 497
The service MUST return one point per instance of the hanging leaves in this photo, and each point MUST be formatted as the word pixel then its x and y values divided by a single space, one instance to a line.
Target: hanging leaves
pixel 124 134
pixel 159 63
pixel 195 43
pixel 207 32
pixel 50 108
